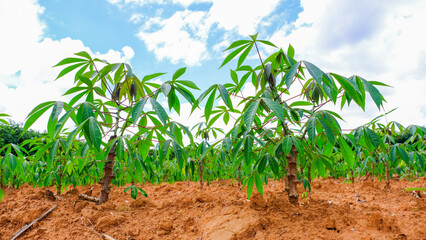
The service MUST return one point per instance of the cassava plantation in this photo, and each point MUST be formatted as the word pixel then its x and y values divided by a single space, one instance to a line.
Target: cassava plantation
pixel 113 164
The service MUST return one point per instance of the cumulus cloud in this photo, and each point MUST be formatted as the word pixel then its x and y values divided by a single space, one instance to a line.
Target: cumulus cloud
pixel 181 37
pixel 27 76
pixel 381 41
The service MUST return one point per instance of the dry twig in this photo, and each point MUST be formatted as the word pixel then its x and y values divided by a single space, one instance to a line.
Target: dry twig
pixel 25 228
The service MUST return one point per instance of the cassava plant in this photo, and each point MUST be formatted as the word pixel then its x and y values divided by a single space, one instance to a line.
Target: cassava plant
pixel 274 130
pixel 108 112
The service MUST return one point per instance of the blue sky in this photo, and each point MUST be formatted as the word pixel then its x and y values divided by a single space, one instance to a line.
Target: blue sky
pixel 380 40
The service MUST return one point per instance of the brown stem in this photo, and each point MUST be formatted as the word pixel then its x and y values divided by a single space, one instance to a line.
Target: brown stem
pixel 108 173
pixel 309 174
pixel 387 175
pixel 293 196
pixel 200 171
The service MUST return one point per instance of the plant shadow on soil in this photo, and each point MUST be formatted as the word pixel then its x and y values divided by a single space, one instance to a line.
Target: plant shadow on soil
pixel 333 210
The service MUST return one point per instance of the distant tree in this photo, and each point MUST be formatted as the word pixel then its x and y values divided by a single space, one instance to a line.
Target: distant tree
pixel 11 133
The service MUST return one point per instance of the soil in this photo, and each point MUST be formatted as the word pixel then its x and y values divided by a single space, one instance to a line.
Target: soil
pixel 333 210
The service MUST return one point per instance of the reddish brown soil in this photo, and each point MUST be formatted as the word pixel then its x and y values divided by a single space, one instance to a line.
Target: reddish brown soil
pixel 334 210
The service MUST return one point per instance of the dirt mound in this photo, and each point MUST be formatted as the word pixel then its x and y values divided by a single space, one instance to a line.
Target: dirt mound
pixel 333 210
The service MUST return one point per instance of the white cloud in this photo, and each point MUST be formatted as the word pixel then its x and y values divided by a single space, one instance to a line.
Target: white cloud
pixel 27 76
pixel 135 18
pixel 122 3
pixel 181 37
pixel 379 40
pixel 184 35
pixel 187 3
pixel 243 16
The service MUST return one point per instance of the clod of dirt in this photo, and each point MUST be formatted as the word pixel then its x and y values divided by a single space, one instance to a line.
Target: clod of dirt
pixel 80 205
pixel 165 227
pixel 257 202
pixel 382 223
pixel 106 222
pixel 203 197
pixel 141 203
pixel 243 225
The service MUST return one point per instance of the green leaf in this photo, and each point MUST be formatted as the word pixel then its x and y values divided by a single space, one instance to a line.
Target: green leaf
pixel 69 69
pixel 372 136
pixel 35 114
pixel 374 93
pixel 327 129
pixel 187 83
pixel 209 105
pixel 276 108
pixel 290 51
pixel 56 111
pixel 159 110
pixel 311 129
pixel 287 144
pixel 1 194
pixel 267 43
pixel 152 76
pixel 120 148
pixel 237 43
pixel 348 154
pixel 83 54
pixel 290 75
pixel 70 60
pixel 407 189
pixel 315 72
pixel 138 109
pixel 178 73
pixel 95 133
pixel 250 184
pixel 224 95
pixel 244 55
pixel 349 89
pixel 232 55
pixel 250 114
pixel 178 154
pixel 300 103
pixel 53 150
pixel 259 183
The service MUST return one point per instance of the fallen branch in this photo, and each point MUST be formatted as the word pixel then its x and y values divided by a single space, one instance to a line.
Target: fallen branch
pixel 88 198
pixel 25 228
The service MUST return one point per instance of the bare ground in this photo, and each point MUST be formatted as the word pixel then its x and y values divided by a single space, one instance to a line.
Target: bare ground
pixel 333 210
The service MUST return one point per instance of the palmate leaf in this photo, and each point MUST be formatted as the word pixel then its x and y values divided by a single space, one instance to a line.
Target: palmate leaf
pixel 237 43
pixel 35 114
pixel 69 69
pixel 244 55
pixel 315 72
pixel 70 60
pixel 349 89
pixel 233 54
pixel 374 93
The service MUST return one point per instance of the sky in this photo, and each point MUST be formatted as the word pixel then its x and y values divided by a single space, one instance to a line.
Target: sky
pixel 382 40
